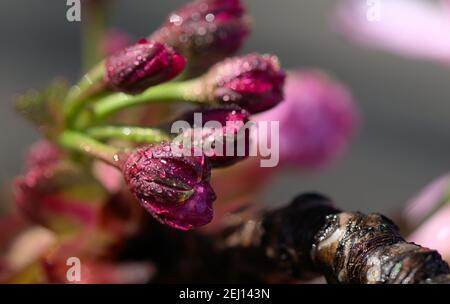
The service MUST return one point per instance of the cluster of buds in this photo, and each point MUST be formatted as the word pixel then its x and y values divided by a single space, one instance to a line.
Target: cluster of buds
pixel 170 177
pixel 175 188
pixel 196 40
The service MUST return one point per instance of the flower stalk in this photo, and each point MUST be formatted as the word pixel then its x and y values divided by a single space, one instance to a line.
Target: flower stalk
pixel 107 106
pixel 81 94
pixel 80 142
pixel 134 134
pixel 92 31
pixel 254 82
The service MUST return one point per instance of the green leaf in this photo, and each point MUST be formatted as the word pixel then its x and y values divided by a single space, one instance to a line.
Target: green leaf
pixel 44 108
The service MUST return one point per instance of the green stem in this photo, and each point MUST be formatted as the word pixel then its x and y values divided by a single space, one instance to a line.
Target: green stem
pixel 82 93
pixel 102 108
pixel 134 134
pixel 77 141
pixel 93 31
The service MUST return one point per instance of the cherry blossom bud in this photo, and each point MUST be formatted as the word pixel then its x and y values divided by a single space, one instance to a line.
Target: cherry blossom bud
pixel 205 31
pixel 222 136
pixel 144 64
pixel 254 82
pixel 175 189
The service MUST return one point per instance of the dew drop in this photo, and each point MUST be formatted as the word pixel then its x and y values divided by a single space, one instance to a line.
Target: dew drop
pixel 210 17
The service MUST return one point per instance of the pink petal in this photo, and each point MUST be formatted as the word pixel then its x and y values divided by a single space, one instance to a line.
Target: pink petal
pixel 446 5
pixel 420 206
pixel 435 233
pixel 414 28
pixel 110 177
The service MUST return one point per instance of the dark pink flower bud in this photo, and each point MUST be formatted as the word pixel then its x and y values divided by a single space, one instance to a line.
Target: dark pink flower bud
pixel 254 82
pixel 144 64
pixel 225 142
pixel 205 31
pixel 175 189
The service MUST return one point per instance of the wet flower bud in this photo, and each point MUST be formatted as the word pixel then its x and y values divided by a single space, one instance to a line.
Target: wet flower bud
pixel 205 31
pixel 253 82
pixel 144 64
pixel 222 135
pixel 174 189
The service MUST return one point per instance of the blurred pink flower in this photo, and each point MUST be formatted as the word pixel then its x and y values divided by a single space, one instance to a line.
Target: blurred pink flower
pixel 317 119
pixel 435 233
pixel 414 28
pixel 428 216
pixel 57 193
pixel 108 176
pixel 114 41
pixel 21 244
pixel 427 201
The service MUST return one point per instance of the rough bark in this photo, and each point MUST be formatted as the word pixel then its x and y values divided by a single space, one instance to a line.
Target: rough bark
pixel 311 235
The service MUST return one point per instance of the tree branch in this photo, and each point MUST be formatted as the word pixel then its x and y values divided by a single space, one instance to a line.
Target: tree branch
pixel 311 235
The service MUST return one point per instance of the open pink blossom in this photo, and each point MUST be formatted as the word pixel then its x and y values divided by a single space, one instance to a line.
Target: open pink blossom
pixel 317 119
pixel 414 28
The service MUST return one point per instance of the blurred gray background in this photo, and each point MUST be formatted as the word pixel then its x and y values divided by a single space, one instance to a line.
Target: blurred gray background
pixel 405 104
